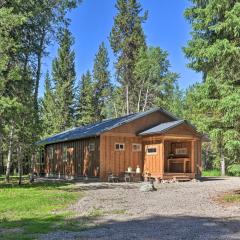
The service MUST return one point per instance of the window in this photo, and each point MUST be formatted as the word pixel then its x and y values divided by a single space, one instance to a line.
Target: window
pixel 119 146
pixel 136 147
pixel 91 147
pixel 151 151
pixel 64 155
pixel 50 153
pixel 181 151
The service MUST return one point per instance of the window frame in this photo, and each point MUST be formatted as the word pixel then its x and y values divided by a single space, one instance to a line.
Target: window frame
pixel 181 151
pixel 50 153
pixel 152 153
pixel 119 149
pixel 91 147
pixel 138 145
pixel 65 154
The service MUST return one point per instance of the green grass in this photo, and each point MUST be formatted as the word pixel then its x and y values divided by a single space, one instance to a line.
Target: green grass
pixel 211 173
pixel 36 208
pixel 232 197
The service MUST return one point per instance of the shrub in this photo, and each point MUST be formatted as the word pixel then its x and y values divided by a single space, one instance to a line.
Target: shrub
pixel 234 170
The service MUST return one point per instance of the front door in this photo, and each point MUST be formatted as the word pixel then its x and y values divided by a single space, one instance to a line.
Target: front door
pixel 152 159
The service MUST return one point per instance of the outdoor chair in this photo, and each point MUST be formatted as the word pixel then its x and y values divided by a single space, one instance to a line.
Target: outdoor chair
pixel 113 178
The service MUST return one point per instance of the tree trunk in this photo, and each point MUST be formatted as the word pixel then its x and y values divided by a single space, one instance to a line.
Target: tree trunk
pixel 9 158
pixel 139 100
pixel 31 178
pixel 222 163
pixel 145 101
pixel 38 72
pixel 207 156
pixel 115 109
pixel 20 166
pixel 127 99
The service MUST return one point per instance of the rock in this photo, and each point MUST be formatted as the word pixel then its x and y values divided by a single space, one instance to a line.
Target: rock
pixel 147 187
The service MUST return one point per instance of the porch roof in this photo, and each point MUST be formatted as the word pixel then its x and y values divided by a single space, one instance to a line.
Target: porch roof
pixel 164 127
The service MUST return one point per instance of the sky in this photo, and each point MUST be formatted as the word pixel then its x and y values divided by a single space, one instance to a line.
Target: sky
pixel 166 27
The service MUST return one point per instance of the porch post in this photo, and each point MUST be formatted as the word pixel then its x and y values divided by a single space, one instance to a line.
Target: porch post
pixel 163 157
pixel 192 156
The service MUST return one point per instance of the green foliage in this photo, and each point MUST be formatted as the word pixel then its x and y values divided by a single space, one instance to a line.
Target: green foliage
pixel 126 39
pixel 63 74
pixel 234 170
pixel 214 50
pixel 155 84
pixel 48 108
pixel 85 108
pixel 102 86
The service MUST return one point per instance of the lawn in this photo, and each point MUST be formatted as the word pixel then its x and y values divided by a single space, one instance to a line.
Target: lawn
pixel 31 209
pixel 211 173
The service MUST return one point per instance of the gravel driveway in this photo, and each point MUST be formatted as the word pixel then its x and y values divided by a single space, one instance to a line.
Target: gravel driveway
pixel 175 211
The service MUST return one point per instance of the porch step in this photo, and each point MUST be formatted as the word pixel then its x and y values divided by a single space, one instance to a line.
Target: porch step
pixel 182 178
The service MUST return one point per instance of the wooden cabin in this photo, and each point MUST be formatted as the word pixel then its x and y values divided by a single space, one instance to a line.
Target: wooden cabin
pixel 155 141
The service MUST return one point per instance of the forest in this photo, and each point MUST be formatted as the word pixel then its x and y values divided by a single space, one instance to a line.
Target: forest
pixel 142 77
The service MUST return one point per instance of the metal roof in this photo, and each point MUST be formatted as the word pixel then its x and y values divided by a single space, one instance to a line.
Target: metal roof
pixel 98 128
pixel 163 127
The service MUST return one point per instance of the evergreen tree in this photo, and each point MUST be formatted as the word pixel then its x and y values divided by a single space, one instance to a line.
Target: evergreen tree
pixel 48 108
pixel 85 111
pixel 63 74
pixel 126 39
pixel 102 85
pixel 155 84
pixel 214 51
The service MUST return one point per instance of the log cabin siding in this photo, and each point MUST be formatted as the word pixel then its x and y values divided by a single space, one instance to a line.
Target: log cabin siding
pixel 79 158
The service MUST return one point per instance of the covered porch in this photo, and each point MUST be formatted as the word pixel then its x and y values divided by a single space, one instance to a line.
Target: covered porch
pixel 172 154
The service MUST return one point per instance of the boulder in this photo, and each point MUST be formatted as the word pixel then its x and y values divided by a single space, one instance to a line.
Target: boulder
pixel 147 187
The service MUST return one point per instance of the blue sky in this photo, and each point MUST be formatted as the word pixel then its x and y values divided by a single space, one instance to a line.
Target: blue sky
pixel 166 27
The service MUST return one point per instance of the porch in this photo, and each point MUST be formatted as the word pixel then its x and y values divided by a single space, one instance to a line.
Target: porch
pixel 168 157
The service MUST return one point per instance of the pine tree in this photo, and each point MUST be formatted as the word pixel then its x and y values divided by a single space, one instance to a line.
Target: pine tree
pixel 85 110
pixel 48 108
pixel 126 39
pixel 214 51
pixel 63 74
pixel 102 85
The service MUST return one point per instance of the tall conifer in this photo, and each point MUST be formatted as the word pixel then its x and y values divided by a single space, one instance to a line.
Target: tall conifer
pixel 126 39
pixel 48 108
pixel 102 85
pixel 63 74
pixel 214 51
pixel 85 111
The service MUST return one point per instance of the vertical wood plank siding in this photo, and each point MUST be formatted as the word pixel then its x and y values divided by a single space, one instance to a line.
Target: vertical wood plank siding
pixel 78 158
pixel 118 161
pixel 105 158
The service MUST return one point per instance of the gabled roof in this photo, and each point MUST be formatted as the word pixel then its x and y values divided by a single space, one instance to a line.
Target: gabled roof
pixel 98 128
pixel 161 128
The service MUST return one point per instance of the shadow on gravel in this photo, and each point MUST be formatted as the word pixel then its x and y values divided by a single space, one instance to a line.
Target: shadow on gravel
pixel 207 179
pixel 167 228
pixel 152 228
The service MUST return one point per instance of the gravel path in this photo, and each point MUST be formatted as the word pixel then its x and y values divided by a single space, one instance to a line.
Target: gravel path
pixel 175 211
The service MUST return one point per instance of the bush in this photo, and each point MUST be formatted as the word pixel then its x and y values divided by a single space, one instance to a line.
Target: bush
pixel 234 170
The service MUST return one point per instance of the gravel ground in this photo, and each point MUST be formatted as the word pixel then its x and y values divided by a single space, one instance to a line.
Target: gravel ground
pixel 175 211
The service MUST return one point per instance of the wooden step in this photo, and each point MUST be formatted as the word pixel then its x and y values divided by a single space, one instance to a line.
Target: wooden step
pixel 182 178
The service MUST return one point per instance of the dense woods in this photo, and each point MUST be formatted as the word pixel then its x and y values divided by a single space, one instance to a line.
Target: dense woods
pixel 142 77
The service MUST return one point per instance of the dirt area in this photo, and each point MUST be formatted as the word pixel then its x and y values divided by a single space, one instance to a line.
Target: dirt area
pixel 175 211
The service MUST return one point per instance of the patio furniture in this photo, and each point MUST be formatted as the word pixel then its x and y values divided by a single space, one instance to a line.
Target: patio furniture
pixel 113 178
